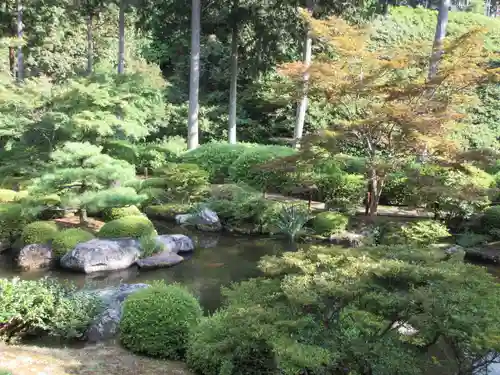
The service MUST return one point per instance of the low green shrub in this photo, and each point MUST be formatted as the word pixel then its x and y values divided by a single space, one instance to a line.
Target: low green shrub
pixel 183 182
pixel 67 239
pixel 248 169
pixel 490 219
pixel 39 232
pixel 7 196
pixel 225 344
pixel 34 307
pixel 470 239
pixel 340 190
pixel 328 222
pixel 128 226
pixel 289 219
pixel 216 158
pixel 423 232
pixel 119 212
pixel 13 218
pixel 167 211
pixel 157 321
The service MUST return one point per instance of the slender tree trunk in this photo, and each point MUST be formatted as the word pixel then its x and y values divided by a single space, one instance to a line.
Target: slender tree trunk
pixel 194 76
pixel 82 215
pixel 90 45
pixel 12 61
pixel 377 184
pixel 437 48
pixel 20 65
pixel 300 116
pixel 234 76
pixel 121 38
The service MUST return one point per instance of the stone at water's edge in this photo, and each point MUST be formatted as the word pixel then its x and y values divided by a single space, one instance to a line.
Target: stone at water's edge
pixel 107 324
pixel 35 256
pixel 102 255
pixel 162 260
pixel 205 220
pixel 176 243
pixel 347 239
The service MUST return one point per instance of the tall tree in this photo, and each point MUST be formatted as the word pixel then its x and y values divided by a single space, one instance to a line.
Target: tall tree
pixel 20 59
pixel 234 73
pixel 302 105
pixel 121 37
pixel 194 76
pixel 437 48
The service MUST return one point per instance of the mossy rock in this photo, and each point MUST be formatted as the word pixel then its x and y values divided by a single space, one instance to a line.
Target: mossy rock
pixel 157 321
pixel 328 223
pixel 167 211
pixel 67 239
pixel 7 195
pixel 128 226
pixel 119 212
pixel 39 232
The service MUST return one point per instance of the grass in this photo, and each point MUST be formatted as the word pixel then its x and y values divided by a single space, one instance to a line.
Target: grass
pixel 92 360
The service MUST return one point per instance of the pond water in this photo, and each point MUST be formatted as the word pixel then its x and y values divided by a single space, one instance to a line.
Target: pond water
pixel 218 260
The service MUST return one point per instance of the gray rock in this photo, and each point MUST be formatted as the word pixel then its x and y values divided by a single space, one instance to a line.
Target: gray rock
pixel 35 256
pixel 176 243
pixel 162 260
pixel 205 220
pixel 107 324
pixel 102 255
pixel 347 239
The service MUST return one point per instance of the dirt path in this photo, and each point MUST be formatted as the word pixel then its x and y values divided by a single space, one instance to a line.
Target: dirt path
pixel 92 360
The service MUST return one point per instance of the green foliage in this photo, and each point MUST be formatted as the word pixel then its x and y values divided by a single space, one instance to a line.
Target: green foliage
pixel 285 218
pixel 181 182
pixel 167 211
pixel 119 212
pixel 8 195
pixel 157 320
pixel 149 245
pixel 5 372
pixel 490 219
pixel 122 150
pixel 13 218
pixel 34 307
pixel 471 239
pixel 39 232
pixel 327 223
pixel 128 226
pixel 248 168
pixel 216 158
pixel 67 239
pixel 424 232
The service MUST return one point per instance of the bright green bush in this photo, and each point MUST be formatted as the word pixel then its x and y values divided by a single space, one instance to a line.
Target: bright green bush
pixel 34 307
pixel 327 223
pixel 128 226
pixel 248 168
pixel 13 218
pixel 422 232
pixel 157 321
pixel 184 182
pixel 119 212
pixel 224 344
pixel 39 232
pixel 167 211
pixel 7 196
pixel 340 190
pixel 67 239
pixel 215 158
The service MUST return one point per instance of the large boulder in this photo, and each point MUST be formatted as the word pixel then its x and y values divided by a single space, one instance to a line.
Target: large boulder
pixel 204 220
pixel 35 256
pixel 176 243
pixel 102 255
pixel 107 323
pixel 162 260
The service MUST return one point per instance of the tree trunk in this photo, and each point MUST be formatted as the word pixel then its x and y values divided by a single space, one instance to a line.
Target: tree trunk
pixel 90 45
pixel 194 76
pixel 437 48
pixel 300 116
pixel 20 65
pixel 12 61
pixel 121 38
pixel 377 184
pixel 234 76
pixel 82 215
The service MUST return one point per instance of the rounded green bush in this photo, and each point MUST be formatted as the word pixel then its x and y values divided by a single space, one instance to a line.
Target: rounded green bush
pixel 67 239
pixel 326 223
pixel 7 195
pixel 422 232
pixel 491 219
pixel 119 212
pixel 157 321
pixel 216 158
pixel 39 232
pixel 128 226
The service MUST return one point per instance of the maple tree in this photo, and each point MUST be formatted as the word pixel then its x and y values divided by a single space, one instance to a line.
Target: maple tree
pixel 387 105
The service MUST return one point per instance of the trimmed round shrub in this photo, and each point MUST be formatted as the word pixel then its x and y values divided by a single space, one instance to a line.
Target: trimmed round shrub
pixel 181 181
pixel 326 223
pixel 7 195
pixel 422 232
pixel 167 211
pixel 128 226
pixel 67 239
pixel 39 232
pixel 157 321
pixel 215 158
pixel 491 219
pixel 225 344
pixel 119 212
pixel 248 168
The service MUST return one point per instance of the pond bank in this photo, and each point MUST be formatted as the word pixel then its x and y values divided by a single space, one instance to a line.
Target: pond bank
pixel 102 359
